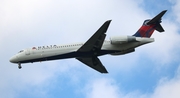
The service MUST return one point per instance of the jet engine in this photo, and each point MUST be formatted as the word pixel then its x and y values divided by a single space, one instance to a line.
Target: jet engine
pixel 122 39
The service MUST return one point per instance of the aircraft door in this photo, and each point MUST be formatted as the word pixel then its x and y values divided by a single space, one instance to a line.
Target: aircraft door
pixel 27 52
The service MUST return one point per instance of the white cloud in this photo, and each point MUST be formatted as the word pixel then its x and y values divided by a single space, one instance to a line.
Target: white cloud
pixel 176 9
pixel 165 48
pixel 168 88
pixel 105 87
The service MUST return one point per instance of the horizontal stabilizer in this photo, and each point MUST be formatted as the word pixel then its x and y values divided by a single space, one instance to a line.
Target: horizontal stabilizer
pixel 149 25
pixel 159 28
pixel 157 18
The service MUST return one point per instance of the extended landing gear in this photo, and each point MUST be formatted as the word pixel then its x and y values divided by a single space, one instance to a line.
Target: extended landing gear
pixel 19 65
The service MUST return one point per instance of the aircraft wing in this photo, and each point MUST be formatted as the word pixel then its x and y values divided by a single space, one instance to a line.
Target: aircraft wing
pixel 93 45
pixel 94 63
pixel 96 41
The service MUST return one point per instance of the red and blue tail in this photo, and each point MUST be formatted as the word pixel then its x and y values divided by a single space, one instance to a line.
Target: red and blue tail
pixel 150 25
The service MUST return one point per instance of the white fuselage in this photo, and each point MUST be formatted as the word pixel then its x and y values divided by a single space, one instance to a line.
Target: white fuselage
pixel 54 52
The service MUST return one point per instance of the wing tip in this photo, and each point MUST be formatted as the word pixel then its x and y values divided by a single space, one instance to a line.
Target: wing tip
pixel 108 20
pixel 104 72
pixel 164 11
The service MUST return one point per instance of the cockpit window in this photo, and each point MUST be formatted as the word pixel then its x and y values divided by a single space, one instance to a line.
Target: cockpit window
pixel 20 51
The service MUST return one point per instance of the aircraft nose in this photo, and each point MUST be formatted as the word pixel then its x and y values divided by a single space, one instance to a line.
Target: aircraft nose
pixel 13 59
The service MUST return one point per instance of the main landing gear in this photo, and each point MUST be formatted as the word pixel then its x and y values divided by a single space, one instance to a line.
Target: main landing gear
pixel 19 65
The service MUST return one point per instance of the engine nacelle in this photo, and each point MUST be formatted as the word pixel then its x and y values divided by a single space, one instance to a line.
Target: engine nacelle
pixel 122 39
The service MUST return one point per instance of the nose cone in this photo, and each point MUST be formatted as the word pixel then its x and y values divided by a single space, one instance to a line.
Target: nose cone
pixel 13 59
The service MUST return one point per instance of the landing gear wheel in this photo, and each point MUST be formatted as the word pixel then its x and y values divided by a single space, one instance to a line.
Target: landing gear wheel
pixel 19 66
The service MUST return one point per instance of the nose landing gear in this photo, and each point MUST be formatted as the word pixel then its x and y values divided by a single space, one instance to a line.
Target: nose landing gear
pixel 19 65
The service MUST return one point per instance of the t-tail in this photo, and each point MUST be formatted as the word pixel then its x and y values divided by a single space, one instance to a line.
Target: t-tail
pixel 150 25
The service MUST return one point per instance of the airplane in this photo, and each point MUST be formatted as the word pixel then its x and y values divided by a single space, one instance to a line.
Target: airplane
pixel 95 46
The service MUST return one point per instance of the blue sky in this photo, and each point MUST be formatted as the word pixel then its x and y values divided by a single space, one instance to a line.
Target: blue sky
pixel 153 71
